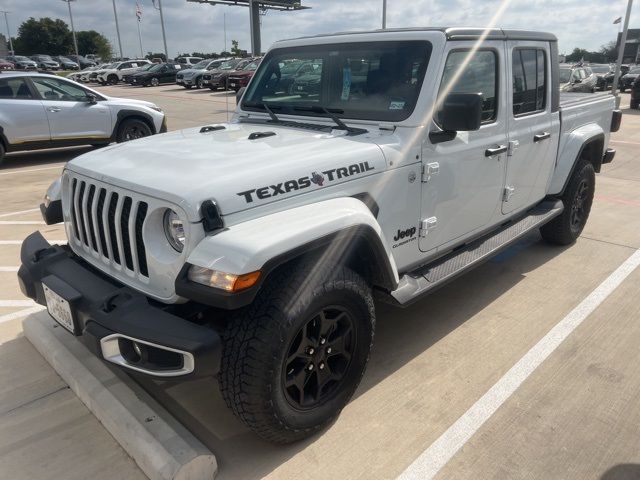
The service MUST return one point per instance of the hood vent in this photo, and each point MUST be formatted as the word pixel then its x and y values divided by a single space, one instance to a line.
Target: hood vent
pixel 212 128
pixel 257 135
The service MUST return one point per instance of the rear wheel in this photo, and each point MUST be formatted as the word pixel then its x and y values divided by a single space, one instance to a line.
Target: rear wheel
pixel 1 153
pixel 577 200
pixel 132 129
pixel 634 105
pixel 295 357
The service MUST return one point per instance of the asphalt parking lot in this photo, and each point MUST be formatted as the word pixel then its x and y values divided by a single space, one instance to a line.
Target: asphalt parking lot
pixel 576 416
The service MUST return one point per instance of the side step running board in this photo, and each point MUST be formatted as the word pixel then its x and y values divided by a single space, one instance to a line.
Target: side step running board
pixel 426 279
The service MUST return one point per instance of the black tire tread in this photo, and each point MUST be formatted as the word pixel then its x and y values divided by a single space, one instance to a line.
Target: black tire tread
pixel 558 230
pixel 242 373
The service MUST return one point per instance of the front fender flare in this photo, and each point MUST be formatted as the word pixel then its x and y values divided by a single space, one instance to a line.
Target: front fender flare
pixel 267 242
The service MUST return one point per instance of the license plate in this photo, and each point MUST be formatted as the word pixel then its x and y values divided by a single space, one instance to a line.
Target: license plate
pixel 59 309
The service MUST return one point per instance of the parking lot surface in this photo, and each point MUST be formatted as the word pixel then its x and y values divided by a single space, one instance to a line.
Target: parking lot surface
pixel 576 416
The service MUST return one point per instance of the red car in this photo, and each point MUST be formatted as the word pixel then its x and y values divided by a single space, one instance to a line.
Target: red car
pixel 6 65
pixel 241 79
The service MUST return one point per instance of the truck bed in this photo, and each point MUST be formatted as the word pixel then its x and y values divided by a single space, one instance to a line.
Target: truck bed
pixel 569 99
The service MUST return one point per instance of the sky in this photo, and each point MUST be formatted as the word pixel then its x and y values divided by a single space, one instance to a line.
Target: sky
pixel 199 27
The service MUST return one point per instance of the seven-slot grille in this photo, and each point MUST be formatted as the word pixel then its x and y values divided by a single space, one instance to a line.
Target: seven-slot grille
pixel 109 224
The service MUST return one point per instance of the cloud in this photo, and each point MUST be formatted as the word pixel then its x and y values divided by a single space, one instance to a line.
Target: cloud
pixel 200 27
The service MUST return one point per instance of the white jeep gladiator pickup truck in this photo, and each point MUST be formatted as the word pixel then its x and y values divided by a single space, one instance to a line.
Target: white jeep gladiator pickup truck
pixel 253 250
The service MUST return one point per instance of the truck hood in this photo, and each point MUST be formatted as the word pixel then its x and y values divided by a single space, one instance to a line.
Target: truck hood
pixel 188 167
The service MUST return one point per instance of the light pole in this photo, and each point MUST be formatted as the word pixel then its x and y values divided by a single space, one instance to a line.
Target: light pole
pixel 73 30
pixel 115 14
pixel 623 42
pixel 164 36
pixel 6 19
pixel 384 14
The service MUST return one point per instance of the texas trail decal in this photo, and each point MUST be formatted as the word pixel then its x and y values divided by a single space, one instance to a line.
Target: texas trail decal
pixel 316 178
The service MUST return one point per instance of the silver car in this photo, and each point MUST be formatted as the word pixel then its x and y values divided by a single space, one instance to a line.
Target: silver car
pixel 44 111
pixel 192 77
pixel 577 78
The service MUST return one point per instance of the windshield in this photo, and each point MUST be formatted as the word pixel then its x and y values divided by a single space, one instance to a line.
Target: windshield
pixel 635 71
pixel 20 58
pixel 371 81
pixel 146 67
pixel 156 67
pixel 228 65
pixel 201 65
pixel 600 69
pixel 565 75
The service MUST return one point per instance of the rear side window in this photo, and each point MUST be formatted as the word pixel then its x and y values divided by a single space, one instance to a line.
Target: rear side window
pixel 529 81
pixel 475 74
pixel 14 89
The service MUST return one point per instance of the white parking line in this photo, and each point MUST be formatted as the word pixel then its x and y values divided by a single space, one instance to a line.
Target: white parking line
pixel 17 303
pixel 22 222
pixel 12 172
pixel 434 458
pixel 10 214
pixel 20 313
pixel 19 242
pixel 8 269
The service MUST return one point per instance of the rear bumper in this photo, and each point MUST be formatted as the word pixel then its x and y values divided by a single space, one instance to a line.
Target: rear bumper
pixel 110 318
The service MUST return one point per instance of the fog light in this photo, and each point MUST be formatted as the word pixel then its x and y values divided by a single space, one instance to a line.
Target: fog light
pixel 224 281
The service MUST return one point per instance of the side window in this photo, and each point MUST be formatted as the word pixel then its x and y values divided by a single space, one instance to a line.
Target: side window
pixel 529 80
pixel 59 90
pixel 14 89
pixel 473 75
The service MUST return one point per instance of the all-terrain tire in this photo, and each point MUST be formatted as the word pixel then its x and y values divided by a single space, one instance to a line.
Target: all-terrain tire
pixel 257 374
pixel 1 153
pixel 577 200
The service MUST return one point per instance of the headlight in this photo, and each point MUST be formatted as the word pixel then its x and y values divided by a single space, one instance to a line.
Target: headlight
pixel 156 108
pixel 174 230
pixel 224 281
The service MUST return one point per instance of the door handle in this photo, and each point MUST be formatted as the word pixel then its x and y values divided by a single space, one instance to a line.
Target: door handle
pixel 541 136
pixel 492 152
pixel 53 109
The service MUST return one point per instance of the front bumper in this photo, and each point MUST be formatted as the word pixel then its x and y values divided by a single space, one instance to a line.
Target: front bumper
pixel 111 319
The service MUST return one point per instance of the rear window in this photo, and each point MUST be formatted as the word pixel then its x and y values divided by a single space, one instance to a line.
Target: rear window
pixel 14 88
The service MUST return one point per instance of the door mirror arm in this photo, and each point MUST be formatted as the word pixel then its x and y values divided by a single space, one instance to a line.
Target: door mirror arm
pixel 91 99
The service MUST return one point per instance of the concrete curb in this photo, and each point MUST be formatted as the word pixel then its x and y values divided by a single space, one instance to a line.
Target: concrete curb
pixel 162 447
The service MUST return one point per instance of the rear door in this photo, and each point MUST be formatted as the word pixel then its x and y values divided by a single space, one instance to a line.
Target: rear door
pixel 532 134
pixel 463 177
pixel 70 114
pixel 22 115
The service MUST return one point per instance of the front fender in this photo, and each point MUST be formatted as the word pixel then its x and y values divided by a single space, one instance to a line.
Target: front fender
pixel 266 242
pixel 570 152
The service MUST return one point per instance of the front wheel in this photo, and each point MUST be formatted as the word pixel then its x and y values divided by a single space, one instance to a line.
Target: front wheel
pixel 155 82
pixel 577 200
pixel 295 357
pixel 199 83
pixel 133 129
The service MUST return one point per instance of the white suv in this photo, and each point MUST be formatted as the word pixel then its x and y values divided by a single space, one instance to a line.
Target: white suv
pixel 44 111
pixel 116 73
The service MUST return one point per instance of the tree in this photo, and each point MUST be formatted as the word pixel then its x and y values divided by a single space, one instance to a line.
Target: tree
pixel 235 51
pixel 90 41
pixel 43 36
pixel 610 51
pixel 577 55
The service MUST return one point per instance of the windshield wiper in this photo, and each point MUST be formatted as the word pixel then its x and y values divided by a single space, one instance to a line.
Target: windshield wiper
pixel 341 125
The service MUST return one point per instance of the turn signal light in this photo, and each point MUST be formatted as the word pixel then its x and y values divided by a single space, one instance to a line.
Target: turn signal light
pixel 224 281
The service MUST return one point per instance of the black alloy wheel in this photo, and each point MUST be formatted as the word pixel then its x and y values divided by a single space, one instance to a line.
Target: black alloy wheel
pixel 318 358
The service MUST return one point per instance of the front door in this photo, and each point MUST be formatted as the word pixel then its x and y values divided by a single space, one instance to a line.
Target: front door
pixel 70 114
pixel 463 177
pixel 532 135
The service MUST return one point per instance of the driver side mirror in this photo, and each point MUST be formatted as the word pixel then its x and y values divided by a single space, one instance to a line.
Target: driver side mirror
pixel 460 112
pixel 91 99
